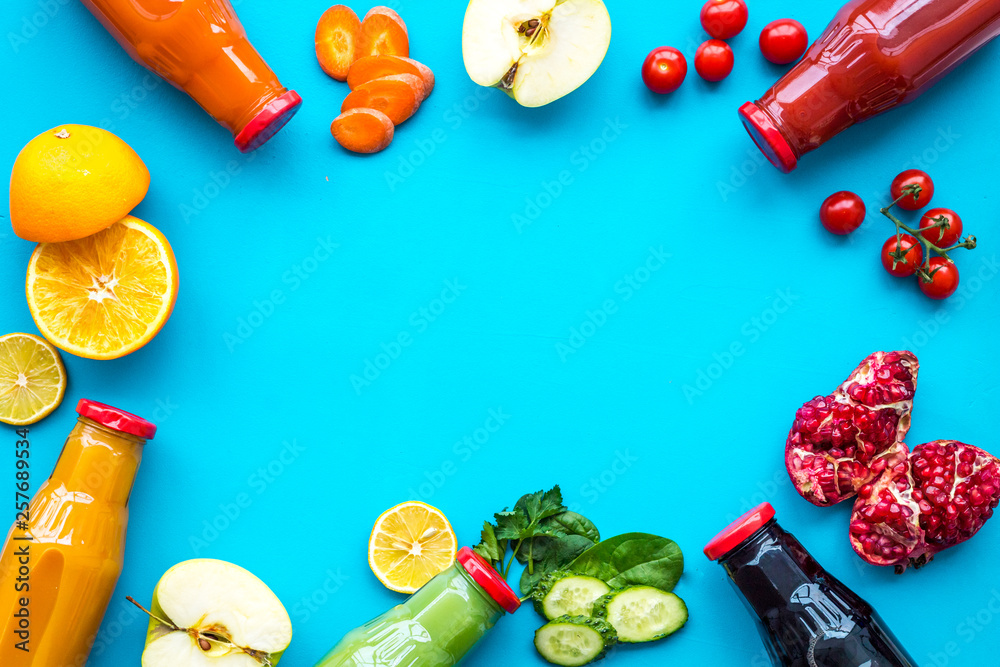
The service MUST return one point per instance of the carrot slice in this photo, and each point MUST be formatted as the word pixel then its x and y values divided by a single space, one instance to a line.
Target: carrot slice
pixel 383 33
pixel 396 96
pixel 336 40
pixel 363 130
pixel 368 68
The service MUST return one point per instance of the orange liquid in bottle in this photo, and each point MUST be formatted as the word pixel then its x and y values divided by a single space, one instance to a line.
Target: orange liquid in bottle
pixel 66 564
pixel 200 47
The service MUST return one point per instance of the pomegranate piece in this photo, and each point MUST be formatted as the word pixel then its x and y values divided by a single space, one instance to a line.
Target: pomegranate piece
pixel 939 496
pixel 839 443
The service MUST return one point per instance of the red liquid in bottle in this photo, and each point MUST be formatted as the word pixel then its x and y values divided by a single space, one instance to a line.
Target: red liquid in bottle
pixel 875 55
pixel 200 47
pixel 806 617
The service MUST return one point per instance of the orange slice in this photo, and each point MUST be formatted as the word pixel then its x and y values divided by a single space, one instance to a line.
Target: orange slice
pixel 106 295
pixel 410 543
pixel 32 379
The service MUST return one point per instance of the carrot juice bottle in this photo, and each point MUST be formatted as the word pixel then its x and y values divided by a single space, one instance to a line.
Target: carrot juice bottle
pixel 200 47
pixel 57 572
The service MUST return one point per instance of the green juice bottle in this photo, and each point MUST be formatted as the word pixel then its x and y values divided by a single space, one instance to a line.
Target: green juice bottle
pixel 436 626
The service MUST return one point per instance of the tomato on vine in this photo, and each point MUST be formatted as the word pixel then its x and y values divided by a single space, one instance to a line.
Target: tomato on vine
pixel 941 226
pixel 916 185
pixel 941 279
pixel 901 256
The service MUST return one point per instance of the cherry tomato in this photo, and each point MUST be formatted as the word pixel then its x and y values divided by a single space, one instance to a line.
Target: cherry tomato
pixel 842 212
pixel 714 60
pixel 909 179
pixel 943 279
pixel 942 237
pixel 664 70
pixel 723 19
pixel 908 262
pixel 783 41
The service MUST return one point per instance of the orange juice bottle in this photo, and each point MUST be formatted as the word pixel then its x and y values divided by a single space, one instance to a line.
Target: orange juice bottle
pixel 58 572
pixel 200 46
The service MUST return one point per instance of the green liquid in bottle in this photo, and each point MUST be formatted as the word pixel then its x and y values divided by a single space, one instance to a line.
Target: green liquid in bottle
pixel 435 627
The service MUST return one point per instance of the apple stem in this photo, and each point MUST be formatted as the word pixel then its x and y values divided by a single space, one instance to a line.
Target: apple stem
pixel 154 616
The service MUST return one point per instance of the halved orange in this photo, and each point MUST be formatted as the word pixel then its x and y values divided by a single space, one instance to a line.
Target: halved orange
pixel 32 379
pixel 106 295
pixel 409 545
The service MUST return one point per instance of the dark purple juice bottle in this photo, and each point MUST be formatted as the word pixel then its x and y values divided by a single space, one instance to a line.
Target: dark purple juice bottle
pixel 806 617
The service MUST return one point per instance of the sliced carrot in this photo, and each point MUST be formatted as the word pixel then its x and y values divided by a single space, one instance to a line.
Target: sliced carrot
pixel 396 96
pixel 363 130
pixel 368 68
pixel 336 40
pixel 383 33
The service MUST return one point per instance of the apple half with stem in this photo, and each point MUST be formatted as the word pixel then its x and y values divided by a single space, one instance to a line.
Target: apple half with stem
pixel 536 51
pixel 210 613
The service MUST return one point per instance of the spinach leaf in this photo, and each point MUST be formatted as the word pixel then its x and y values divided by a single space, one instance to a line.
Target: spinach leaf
pixel 633 559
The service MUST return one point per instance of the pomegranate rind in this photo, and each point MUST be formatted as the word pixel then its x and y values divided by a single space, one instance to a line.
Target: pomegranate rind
pixel 839 443
pixel 940 496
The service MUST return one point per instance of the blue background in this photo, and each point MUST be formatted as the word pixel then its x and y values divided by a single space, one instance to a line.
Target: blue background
pixel 678 173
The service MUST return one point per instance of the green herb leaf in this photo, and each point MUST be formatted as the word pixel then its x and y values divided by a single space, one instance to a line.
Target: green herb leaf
pixel 633 559
pixel 571 523
pixel 541 505
pixel 511 525
pixel 488 547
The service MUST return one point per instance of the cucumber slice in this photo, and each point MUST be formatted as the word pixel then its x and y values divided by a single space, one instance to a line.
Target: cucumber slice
pixel 566 594
pixel 642 613
pixel 574 640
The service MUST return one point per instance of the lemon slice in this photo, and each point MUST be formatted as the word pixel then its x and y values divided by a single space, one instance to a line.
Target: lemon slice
pixel 410 543
pixel 32 379
pixel 105 295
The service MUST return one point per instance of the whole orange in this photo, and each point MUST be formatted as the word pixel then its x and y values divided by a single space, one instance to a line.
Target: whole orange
pixel 74 181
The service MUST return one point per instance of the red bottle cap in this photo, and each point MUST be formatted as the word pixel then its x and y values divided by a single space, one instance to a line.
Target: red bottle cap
pixel 266 124
pixel 739 530
pixel 768 138
pixel 116 419
pixel 487 577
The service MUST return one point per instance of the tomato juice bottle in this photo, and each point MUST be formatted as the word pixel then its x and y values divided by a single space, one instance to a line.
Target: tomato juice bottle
pixel 200 47
pixel 874 56
pixel 806 617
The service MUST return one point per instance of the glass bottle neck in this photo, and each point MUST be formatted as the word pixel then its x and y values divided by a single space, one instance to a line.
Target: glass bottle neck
pixel 768 567
pixel 99 462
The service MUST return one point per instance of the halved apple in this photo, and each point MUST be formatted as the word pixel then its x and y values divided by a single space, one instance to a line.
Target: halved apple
pixel 536 51
pixel 210 613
